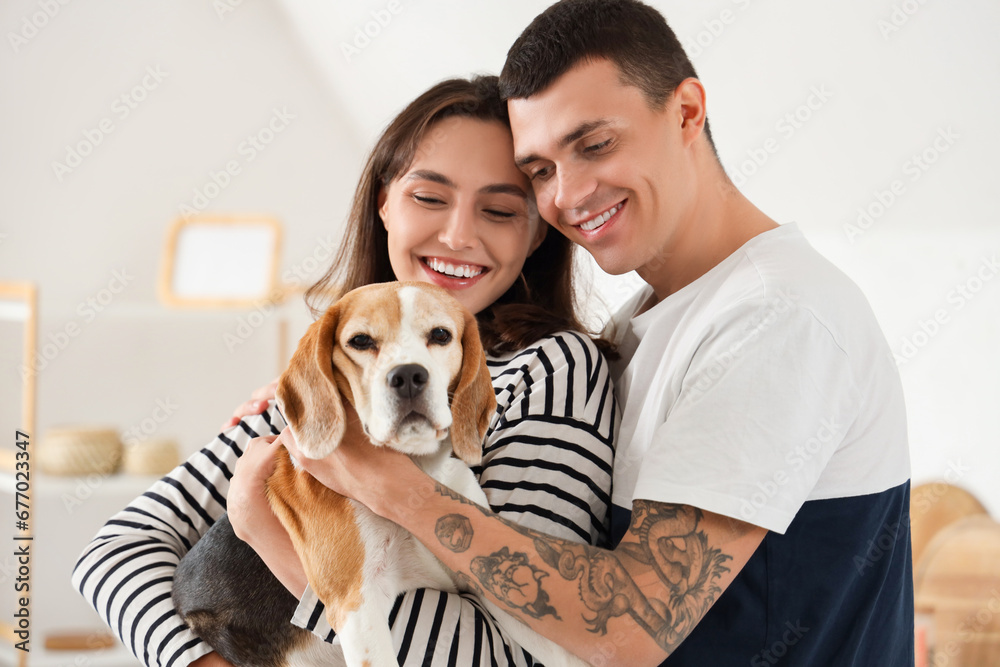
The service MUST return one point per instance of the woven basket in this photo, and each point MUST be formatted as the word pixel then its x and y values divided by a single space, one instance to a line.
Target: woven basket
pixel 958 580
pixel 77 451
pixel 151 457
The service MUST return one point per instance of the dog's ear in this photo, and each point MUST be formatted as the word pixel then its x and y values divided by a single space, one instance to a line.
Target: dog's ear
pixel 307 391
pixel 474 401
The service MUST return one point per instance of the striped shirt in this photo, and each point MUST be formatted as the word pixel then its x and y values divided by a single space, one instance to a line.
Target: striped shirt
pixel 547 464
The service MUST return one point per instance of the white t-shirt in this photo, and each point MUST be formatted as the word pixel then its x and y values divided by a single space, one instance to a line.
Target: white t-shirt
pixel 762 385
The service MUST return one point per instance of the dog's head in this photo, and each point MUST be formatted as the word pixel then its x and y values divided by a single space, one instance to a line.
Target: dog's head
pixel 397 352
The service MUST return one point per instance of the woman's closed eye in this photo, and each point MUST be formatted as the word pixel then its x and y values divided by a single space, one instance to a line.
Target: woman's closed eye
pixel 429 200
pixel 501 214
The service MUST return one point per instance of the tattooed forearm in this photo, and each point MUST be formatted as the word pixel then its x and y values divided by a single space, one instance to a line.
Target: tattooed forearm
pixel 669 541
pixel 665 538
pixel 448 493
pixel 515 581
pixel 455 532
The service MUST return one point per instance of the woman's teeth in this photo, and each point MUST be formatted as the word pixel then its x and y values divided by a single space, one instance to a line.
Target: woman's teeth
pixel 591 225
pixel 460 271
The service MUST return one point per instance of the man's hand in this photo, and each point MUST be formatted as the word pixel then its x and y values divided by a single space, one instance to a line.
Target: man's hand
pixel 356 469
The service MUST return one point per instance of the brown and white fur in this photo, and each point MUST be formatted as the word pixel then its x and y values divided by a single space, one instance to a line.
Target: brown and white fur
pixel 397 352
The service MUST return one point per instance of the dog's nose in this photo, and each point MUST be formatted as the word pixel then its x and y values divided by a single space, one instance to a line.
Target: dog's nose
pixel 407 380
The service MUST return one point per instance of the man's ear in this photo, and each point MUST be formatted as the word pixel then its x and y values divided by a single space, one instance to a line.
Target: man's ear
pixel 690 100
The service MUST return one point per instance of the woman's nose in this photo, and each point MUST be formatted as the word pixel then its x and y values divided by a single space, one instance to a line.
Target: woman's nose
pixel 460 231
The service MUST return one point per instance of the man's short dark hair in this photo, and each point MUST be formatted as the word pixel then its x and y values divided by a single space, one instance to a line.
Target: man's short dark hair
pixel 632 35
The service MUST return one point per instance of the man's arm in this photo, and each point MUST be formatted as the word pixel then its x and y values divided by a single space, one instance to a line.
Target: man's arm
pixel 633 605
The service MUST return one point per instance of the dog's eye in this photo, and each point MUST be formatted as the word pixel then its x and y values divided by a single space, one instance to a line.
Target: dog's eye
pixel 439 336
pixel 362 342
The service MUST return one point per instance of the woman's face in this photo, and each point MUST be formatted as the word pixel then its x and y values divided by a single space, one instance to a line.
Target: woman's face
pixel 460 216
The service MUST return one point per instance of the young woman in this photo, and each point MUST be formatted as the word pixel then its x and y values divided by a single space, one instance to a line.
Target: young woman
pixel 440 200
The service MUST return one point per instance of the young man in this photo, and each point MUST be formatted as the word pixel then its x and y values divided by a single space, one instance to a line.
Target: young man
pixel 762 473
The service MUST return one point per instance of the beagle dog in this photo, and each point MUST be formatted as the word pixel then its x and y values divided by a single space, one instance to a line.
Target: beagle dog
pixel 397 352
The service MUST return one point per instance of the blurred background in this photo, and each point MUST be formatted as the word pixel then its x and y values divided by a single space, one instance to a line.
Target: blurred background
pixel 870 123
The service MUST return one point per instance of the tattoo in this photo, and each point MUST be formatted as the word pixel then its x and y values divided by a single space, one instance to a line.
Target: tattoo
pixel 455 532
pixel 678 552
pixel 448 493
pixel 515 581
pixel 670 542
pixel 667 540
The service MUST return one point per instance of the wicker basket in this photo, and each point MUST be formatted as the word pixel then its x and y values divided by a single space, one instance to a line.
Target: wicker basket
pixel 77 451
pixel 151 457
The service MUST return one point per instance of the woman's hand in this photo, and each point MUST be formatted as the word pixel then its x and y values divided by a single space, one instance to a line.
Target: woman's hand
pixel 256 405
pixel 246 501
pixel 251 516
pixel 356 468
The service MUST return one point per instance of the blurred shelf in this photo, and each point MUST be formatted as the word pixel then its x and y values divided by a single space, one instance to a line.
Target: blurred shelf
pixel 43 485
pixel 39 656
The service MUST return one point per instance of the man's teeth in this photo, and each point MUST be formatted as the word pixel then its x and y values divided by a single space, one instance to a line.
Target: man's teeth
pixel 460 271
pixel 591 225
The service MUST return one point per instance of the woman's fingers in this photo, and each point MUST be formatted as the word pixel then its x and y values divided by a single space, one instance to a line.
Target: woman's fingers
pixel 258 458
pixel 266 392
pixel 247 501
pixel 287 439
pixel 257 404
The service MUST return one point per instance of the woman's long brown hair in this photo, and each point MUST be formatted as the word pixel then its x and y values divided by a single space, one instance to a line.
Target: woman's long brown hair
pixel 539 303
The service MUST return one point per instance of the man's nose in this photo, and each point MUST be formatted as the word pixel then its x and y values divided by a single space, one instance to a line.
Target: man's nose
pixel 573 187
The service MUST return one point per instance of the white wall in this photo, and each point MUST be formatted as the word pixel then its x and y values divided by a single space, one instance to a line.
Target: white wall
pixel 133 362
pixel 879 97
pixel 870 124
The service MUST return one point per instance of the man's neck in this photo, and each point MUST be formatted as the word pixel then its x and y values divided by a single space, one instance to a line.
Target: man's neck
pixel 712 231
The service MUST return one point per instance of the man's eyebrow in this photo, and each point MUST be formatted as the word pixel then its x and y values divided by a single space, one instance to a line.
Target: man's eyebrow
pixel 568 138
pixel 429 175
pixel 582 129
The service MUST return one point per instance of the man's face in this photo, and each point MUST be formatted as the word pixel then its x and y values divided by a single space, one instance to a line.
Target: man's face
pixel 608 171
